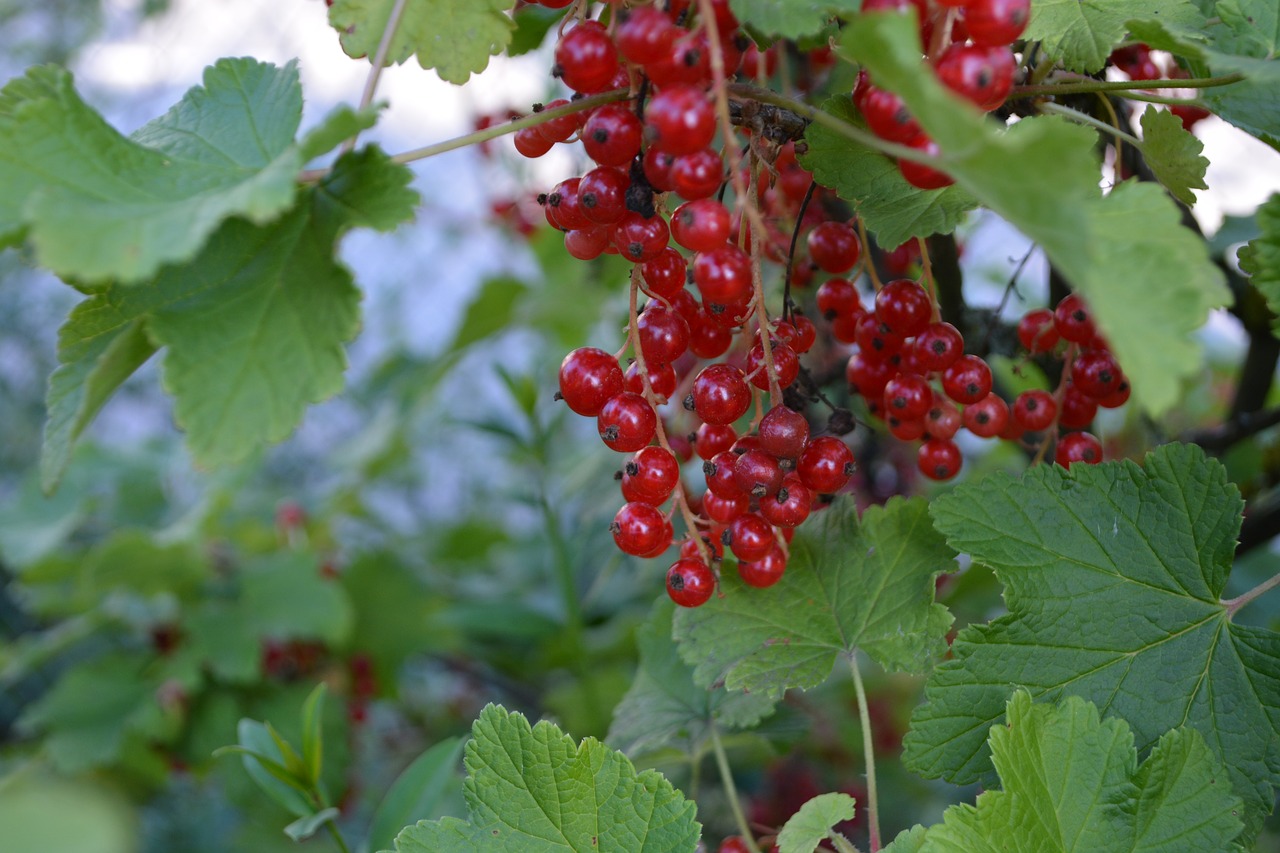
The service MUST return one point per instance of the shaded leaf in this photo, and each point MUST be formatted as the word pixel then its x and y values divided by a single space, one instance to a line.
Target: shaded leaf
pixel 417 792
pixel 1080 34
pixel 815 822
pixel 1173 154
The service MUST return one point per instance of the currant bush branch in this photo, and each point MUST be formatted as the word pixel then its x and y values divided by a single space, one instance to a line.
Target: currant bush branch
pixel 731 790
pixel 868 749
pixel 1082 118
pixel 1079 85
pixel 379 62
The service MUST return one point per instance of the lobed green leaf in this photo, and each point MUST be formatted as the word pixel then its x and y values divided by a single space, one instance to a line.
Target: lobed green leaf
pixel 815 822
pixel 1261 257
pixel 1173 154
pixel 1080 34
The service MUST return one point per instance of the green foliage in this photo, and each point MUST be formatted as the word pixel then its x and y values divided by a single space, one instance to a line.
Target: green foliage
pixel 41 812
pixel 417 793
pixel 815 822
pixel 890 207
pixel 530 788
pixel 1261 257
pixel 1173 154
pixel 456 39
pixel 1113 575
pixel 850 584
pixel 1072 782
pixel 666 707
pixel 253 327
pixel 1149 281
pixel 1081 33
pixel 791 19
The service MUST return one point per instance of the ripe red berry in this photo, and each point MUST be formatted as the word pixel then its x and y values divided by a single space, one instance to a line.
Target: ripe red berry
pixel 968 380
pixel 530 143
pixel 1096 374
pixel 723 275
pixel 734 844
pixel 665 275
pixel 587 244
pixel 904 307
pixel 664 335
pixel 627 422
pixel 646 35
pixel 1034 410
pixel 868 376
pixel 982 75
pixel 602 194
pixel 713 439
pixel 790 506
pixel 589 377
pixel 908 397
pixel 1078 409
pixel 1078 447
pixel 1117 398
pixel 720 394
pixel 838 297
pixel 1073 321
pixel 764 572
pixel 996 22
pixel 697 174
pixel 700 225
pixel 939 459
pixel 786 365
pixel 611 135
pixel 640 239
pixel 834 247
pixel 721 474
pixel 724 509
pixel 805 333
pixel 559 129
pixel 988 417
pixel 662 378
pixel 922 176
pixel 654 473
pixel 638 529
pixel 707 337
pixel 876 339
pixel 783 432
pixel 938 347
pixel 586 58
pixel 680 120
pixel 750 537
pixel 887 115
pixel 1037 332
pixel 563 209
pixel 690 583
pixel 757 473
pixel 826 464
pixel 942 420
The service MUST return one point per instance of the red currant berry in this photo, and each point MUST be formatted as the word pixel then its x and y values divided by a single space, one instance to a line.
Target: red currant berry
pixel 790 506
pixel 968 380
pixel 720 394
pixel 942 421
pixel 559 129
pixel 826 464
pixel 938 347
pixel 988 417
pixel 1096 374
pixel 1078 447
pixel 765 571
pixel 713 439
pixel 665 275
pixel 1073 321
pixel 698 174
pixel 700 225
pixel 1117 398
pixel 905 430
pixel 587 244
pixel 786 365
pixel 904 307
pixel 627 422
pixel 981 75
pixel 876 340
pixel 602 194
pixel 721 474
pixel 834 247
pixel 783 432
pixel 868 376
pixel 639 239
pixel 805 333
pixel 838 297
pixel 529 143
pixel 1034 410
pixel 638 529
pixel 1078 409
pixel 662 379
pixel 723 275
pixel 611 135
pixel 1037 332
pixel 724 510
pixel 589 377
pixel 664 335
pixel 939 459
pixel 562 208
pixel 654 473
pixel 712 545
pixel 908 397
pixel 680 120
pixel 734 844
pixel 708 338
pixel 690 583
pixel 887 116
pixel 586 58
pixel 920 175
pixel 750 537
pixel 646 35
pixel 757 473
pixel 992 23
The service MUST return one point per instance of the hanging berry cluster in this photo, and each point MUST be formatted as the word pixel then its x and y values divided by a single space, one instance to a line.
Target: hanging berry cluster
pixel 670 134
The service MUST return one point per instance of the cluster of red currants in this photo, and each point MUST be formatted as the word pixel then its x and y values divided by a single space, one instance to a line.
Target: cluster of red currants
pixel 969 46
pixel 1136 62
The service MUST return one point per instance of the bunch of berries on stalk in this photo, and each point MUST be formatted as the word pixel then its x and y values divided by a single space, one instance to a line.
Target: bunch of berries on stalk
pixel 968 43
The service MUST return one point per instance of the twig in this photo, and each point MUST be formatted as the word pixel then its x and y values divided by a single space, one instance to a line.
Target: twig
pixel 731 790
pixel 868 749
pixel 379 60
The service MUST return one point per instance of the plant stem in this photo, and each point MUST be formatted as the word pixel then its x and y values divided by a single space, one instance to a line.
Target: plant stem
pixel 379 61
pixel 1077 116
pixel 337 836
pixel 868 749
pixel 1087 85
pixel 731 790
pixel 1233 605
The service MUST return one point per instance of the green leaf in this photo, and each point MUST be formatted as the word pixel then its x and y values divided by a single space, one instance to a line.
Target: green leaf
pixel 132 560
pixel 254 326
pixel 97 205
pixel 1173 154
pixel 1072 782
pixel 664 706
pixel 849 585
pixel 284 596
pixel 530 789
pixel 43 812
pixel 264 763
pixel 1081 33
pixel 305 827
pixel 1149 280
pixel 491 311
pixel 815 822
pixel 456 39
pixel 340 125
pixel 1261 257
pixel 791 19
pixel 532 25
pixel 1113 575
pixel 908 841
pixel 312 733
pixel 417 792
pixel 890 207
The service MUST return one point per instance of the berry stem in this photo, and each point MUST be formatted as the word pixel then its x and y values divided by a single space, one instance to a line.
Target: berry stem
pixel 758 237
pixel 1081 118
pixel 1079 85
pixel 731 790
pixel 926 270
pixel 708 15
pixel 868 749
pixel 379 62
pixel 791 250
pixel 1234 604
pixel 876 284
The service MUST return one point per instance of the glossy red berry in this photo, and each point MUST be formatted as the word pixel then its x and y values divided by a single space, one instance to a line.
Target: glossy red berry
pixel 1037 331
pixel 750 537
pixel 876 340
pixel 988 417
pixel 1078 447
pixel 981 75
pixel 586 58
pixel 904 307
pixel 921 175
pixel 654 473
pixel 724 510
pixel 680 119
pixel 665 274
pixel 589 377
pixel 723 275
pixel 887 115
pixel 938 347
pixel 734 844
pixel 690 583
pixel 720 394
pixel 1096 374
pixel 721 475
pixel 1077 410
pixel 1073 321
pixel 587 244
pixel 664 335
pixel 646 35
pixel 939 459
pixel 786 365
pixel 908 397
pixel 697 174
pixel 627 422
pixel 602 194
pixel 707 337
pixel 640 239
pixel 1035 410
pixel 1117 398
pixel 838 297
pixel 764 572
pixel 700 225
pixel 942 420
pixel 968 380
pixel 868 376
pixel 996 22
pixel 563 207
pixel 529 143
pixel 789 506
pixel 757 473
pixel 611 135
pixel 834 247
pixel 559 129
pixel 783 432
pixel 662 378
pixel 826 464
pixel 639 529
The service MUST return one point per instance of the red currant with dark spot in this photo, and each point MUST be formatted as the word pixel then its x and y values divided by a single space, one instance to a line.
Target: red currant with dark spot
pixel 988 417
pixel 764 572
pixel 627 422
pixel 939 459
pixel 968 380
pixel 690 583
pixel 1078 447
pixel 750 537
pixel 826 465
pixel 589 377
pixel 834 247
pixel 638 529
pixel 1034 410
